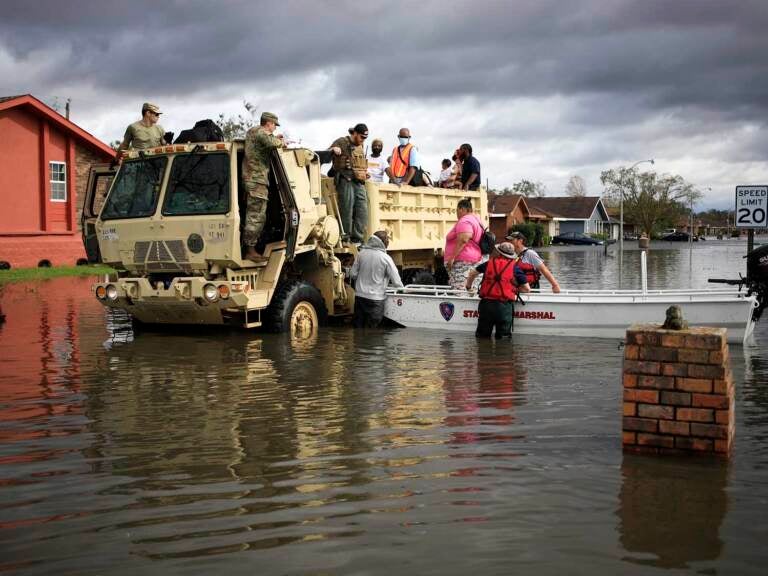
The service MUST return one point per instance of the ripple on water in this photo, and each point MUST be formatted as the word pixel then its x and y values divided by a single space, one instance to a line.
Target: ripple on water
pixel 427 452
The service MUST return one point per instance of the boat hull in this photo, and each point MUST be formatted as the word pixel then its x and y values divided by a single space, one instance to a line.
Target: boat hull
pixel 585 314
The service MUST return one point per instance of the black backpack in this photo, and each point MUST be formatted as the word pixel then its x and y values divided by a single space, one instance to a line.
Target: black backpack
pixel 204 131
pixel 487 240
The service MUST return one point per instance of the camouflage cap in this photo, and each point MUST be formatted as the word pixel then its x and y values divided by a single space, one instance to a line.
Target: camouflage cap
pixel 149 107
pixel 269 117
pixel 506 249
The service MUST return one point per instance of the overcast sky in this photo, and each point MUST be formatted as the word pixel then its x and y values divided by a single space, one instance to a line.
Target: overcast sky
pixel 542 90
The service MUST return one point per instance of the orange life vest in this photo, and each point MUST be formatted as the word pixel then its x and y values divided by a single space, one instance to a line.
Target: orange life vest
pixel 400 160
pixel 531 273
pixel 499 280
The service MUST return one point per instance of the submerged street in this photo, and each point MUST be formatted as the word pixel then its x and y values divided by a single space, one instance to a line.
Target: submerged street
pixel 393 451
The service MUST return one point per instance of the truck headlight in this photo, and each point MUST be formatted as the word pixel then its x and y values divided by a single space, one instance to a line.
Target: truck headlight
pixel 111 292
pixel 101 292
pixel 132 290
pixel 210 293
pixel 223 291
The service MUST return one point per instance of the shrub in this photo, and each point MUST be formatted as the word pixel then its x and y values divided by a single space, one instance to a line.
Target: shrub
pixel 533 231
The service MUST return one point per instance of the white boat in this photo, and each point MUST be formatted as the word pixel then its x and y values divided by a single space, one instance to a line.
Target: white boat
pixel 591 313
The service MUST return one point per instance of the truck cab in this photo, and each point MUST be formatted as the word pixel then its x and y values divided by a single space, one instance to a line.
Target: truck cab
pixel 170 226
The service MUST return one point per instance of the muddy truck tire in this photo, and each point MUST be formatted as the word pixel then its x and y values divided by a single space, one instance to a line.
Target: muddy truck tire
pixel 296 307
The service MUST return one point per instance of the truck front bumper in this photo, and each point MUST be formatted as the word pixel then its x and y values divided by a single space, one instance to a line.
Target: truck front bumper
pixel 192 300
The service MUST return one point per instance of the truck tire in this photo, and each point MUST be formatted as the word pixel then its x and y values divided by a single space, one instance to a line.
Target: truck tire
pixel 297 307
pixel 418 276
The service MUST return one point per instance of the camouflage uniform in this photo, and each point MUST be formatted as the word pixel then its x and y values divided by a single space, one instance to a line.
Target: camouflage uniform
pixel 258 145
pixel 351 170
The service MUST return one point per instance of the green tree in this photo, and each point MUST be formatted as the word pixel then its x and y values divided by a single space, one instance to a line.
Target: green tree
pixel 529 189
pixel 651 202
pixel 235 127
pixel 533 231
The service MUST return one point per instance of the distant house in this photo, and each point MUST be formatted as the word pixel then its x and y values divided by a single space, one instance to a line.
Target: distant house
pixel 584 214
pixel 44 164
pixel 506 210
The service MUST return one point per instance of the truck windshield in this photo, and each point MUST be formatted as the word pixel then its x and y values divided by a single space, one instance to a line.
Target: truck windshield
pixel 199 184
pixel 136 188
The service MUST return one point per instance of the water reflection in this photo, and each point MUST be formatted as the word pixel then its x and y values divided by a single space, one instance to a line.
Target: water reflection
pixel 669 266
pixel 671 510
pixel 164 451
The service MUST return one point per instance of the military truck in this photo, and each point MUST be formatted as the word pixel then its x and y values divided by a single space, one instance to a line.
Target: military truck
pixel 169 222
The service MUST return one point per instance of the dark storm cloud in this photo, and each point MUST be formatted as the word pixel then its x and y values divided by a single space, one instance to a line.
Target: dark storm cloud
pixel 686 53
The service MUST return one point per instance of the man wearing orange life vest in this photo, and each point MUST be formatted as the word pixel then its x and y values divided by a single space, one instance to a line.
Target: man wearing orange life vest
pixel 405 160
pixel 502 280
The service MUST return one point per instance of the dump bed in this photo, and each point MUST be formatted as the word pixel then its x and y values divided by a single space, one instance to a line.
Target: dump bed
pixel 416 217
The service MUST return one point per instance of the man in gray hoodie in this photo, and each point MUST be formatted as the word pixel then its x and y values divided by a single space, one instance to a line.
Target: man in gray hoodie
pixel 373 271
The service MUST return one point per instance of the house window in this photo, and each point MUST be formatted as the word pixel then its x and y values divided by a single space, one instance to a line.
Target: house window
pixel 58 181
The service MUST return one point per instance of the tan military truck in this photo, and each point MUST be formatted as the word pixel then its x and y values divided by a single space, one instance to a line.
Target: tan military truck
pixel 169 222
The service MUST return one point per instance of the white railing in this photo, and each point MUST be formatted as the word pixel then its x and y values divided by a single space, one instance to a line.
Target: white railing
pixel 447 290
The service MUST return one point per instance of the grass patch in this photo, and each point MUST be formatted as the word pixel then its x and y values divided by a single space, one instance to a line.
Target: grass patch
pixel 25 274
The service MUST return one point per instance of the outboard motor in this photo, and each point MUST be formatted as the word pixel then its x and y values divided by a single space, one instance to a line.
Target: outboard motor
pixel 756 280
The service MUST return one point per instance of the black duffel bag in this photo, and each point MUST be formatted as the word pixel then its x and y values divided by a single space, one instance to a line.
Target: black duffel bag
pixel 204 131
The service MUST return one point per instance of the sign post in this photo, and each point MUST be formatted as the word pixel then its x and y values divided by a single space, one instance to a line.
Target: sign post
pixel 751 211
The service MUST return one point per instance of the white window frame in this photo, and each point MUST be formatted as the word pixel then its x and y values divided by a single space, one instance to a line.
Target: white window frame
pixel 63 165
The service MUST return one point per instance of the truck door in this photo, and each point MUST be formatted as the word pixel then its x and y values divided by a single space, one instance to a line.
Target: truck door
pixel 290 212
pixel 99 180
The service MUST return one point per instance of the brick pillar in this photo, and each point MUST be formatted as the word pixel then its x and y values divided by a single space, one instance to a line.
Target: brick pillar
pixel 678 391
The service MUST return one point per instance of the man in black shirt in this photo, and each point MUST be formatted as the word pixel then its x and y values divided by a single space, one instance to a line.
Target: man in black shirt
pixel 470 173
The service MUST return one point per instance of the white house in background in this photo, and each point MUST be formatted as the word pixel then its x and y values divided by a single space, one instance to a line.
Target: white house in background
pixel 586 214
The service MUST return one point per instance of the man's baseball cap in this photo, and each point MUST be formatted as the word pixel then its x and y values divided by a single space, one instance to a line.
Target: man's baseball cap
pixel 360 129
pixel 515 236
pixel 149 107
pixel 506 249
pixel 377 141
pixel 269 117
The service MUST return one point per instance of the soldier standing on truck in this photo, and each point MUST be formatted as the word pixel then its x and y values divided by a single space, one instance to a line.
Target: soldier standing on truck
pixel 144 133
pixel 259 143
pixel 351 171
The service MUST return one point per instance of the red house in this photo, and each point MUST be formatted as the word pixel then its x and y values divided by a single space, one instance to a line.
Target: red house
pixel 44 163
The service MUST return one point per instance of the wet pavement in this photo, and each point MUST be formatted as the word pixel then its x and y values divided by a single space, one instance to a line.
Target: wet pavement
pixel 394 451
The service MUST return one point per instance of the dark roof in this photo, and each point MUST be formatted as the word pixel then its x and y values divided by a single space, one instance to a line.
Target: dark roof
pixel 537 212
pixel 578 208
pixel 505 203
pixel 30 102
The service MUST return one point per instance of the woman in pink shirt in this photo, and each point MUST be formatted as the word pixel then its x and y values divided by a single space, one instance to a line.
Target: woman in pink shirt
pixel 462 246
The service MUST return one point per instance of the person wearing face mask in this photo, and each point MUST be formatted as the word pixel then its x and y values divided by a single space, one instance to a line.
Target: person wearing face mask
pixel 405 160
pixel 377 164
pixel 350 173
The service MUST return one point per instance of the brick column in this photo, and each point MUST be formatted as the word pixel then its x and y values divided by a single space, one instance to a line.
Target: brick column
pixel 678 391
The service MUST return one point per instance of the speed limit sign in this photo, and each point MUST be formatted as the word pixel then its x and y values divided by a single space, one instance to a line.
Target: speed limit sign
pixel 751 206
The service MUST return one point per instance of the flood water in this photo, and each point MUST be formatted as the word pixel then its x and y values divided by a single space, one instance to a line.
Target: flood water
pixel 387 452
